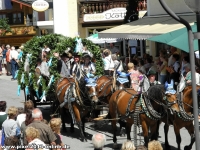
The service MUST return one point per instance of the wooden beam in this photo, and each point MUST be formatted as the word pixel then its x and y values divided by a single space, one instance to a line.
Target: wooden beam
pixel 21 3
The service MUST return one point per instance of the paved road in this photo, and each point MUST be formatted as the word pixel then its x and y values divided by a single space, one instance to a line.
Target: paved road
pixel 8 92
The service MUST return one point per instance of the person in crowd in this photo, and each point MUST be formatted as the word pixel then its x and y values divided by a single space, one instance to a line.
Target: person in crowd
pixel 173 50
pixel 28 105
pixel 116 62
pixel 75 64
pixel 38 67
pixel 148 64
pixel 152 78
pixel 14 62
pixel 1 59
pixel 175 70
pixel 33 138
pixel 4 63
pixel 88 66
pixel 61 66
pixel 108 62
pixel 9 126
pixel 3 116
pixel 128 145
pixel 114 49
pixel 8 60
pixel 134 76
pixel 55 125
pixel 46 134
pixel 24 125
pixel 154 145
pixel 69 61
pixel 162 68
pixel 45 51
pixel 141 66
pixel 85 50
pixel 185 62
pixel 44 68
pixel 98 141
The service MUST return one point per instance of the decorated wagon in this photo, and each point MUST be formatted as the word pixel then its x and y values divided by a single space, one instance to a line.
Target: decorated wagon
pixel 41 89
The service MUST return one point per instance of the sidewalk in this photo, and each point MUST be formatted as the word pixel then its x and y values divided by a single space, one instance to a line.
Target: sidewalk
pixel 5 77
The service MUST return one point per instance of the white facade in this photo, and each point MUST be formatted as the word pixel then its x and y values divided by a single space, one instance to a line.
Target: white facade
pixel 154 7
pixel 65 17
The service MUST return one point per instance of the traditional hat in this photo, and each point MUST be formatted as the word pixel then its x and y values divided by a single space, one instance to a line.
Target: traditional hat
pixel 86 55
pixel 151 72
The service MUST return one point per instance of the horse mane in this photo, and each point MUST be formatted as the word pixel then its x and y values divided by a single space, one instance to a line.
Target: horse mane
pixel 156 92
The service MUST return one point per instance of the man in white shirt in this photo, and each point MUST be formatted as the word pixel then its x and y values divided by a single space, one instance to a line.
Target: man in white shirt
pixel 13 59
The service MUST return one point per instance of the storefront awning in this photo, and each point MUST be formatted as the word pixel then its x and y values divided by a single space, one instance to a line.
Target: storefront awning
pixel 146 27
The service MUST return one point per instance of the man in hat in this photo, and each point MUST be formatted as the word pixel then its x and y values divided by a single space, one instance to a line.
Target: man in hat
pixel 152 78
pixel 75 64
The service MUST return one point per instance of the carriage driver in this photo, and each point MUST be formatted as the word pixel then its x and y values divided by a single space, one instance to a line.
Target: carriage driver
pixel 152 78
pixel 89 69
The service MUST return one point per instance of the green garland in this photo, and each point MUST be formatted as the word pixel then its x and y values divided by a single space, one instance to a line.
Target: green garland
pixel 57 43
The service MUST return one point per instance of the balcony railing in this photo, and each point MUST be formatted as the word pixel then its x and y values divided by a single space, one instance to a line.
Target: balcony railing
pixel 92 7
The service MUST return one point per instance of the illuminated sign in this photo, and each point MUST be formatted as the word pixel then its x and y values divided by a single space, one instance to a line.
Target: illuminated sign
pixel 111 14
pixel 40 5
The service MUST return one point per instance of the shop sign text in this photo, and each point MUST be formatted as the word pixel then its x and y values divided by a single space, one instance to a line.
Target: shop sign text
pixel 112 14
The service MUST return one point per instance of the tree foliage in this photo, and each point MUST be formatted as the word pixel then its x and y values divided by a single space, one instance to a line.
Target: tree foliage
pixel 132 11
pixel 4 26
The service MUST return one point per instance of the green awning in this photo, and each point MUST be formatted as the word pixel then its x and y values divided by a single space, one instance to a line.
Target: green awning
pixel 177 38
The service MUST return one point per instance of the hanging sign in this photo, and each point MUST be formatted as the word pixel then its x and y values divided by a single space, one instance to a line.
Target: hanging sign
pixel 40 5
pixel 111 14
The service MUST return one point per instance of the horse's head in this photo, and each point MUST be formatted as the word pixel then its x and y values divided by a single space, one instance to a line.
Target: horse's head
pixel 171 97
pixel 91 91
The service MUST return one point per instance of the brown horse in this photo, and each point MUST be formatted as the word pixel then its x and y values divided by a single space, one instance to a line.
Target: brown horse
pixel 71 96
pixel 183 119
pixel 123 103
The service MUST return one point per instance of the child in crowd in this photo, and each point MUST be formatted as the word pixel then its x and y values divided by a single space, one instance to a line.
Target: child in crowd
pixel 134 76
pixel 55 125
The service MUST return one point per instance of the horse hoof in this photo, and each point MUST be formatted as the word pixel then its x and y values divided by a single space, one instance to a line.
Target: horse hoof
pixel 115 146
pixel 187 148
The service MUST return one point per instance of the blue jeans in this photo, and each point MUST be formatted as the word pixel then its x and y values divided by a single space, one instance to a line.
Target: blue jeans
pixel 14 67
pixel 163 79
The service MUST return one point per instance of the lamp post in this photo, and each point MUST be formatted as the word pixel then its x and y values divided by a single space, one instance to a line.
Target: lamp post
pixel 195 6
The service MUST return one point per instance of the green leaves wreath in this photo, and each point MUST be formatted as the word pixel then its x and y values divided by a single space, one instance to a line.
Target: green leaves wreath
pixel 27 80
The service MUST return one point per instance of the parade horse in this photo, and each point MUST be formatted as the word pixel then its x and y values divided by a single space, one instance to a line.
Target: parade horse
pixel 79 101
pixel 151 106
pixel 184 118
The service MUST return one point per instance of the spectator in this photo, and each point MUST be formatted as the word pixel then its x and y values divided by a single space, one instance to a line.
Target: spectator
pixel 55 125
pixel 134 76
pixel 173 50
pixel 46 134
pixel 108 62
pixel 13 59
pixel 141 66
pixel 116 62
pixel 128 145
pixel 185 62
pixel 148 64
pixel 114 49
pixel 24 125
pixel 28 105
pixel 32 136
pixel 154 145
pixel 8 60
pixel 3 116
pixel 98 141
pixel 162 68
pixel 9 127
pixel 4 63
pixel 1 59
